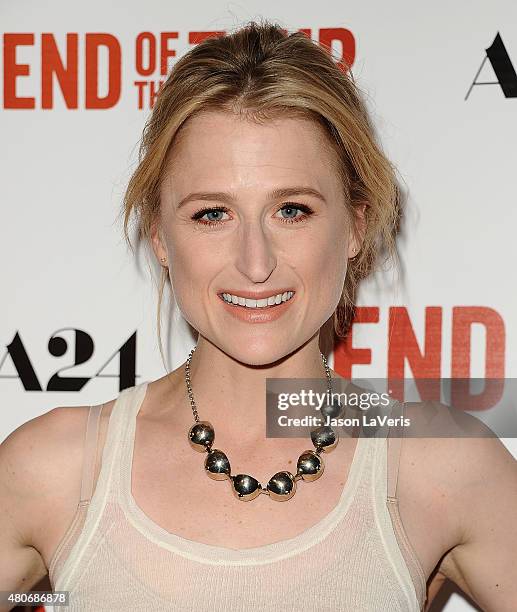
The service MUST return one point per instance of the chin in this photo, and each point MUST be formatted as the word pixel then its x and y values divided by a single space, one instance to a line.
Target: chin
pixel 260 354
pixel 258 351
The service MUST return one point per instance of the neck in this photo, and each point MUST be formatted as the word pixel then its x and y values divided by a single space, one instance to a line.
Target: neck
pixel 232 394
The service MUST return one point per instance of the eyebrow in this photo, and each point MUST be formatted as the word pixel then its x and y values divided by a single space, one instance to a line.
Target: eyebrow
pixel 276 194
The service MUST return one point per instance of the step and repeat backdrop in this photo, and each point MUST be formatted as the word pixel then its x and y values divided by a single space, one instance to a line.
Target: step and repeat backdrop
pixel 79 80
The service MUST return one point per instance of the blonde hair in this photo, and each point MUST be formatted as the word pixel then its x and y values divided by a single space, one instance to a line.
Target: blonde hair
pixel 261 72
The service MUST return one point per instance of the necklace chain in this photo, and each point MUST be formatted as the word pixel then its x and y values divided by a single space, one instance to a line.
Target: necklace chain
pixel 191 393
pixel 282 485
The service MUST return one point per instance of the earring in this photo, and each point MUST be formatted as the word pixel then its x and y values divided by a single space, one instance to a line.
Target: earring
pixel 163 259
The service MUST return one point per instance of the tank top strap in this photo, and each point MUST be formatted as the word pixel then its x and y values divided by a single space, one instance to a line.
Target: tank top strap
pixel 395 435
pixel 93 499
pixel 73 531
pixel 114 444
pixel 129 404
pixel 90 452
pixel 393 451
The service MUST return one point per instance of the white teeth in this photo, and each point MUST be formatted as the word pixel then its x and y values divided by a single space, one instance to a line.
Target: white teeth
pixel 262 303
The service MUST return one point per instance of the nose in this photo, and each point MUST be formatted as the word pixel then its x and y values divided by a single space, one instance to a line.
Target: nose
pixel 255 252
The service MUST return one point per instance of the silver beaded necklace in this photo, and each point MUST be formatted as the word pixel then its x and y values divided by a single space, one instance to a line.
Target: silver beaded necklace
pixel 281 486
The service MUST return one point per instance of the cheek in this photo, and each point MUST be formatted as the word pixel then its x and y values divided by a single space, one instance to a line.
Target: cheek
pixel 327 271
pixel 185 270
pixel 326 264
pixel 193 265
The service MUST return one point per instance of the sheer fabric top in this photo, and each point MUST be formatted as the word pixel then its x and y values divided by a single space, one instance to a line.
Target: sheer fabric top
pixel 358 557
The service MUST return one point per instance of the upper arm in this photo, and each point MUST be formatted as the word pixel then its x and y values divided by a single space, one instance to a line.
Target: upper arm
pixel 32 477
pixel 21 564
pixel 485 561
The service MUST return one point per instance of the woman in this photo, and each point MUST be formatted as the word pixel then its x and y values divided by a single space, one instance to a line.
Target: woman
pixel 259 179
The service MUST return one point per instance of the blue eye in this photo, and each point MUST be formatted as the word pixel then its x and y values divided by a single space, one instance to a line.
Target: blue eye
pixel 296 207
pixel 289 207
pixel 209 211
pixel 213 212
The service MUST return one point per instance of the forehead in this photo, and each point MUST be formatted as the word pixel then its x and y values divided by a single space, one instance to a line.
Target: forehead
pixel 225 147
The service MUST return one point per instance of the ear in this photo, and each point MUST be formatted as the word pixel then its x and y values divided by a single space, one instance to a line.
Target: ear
pixel 158 244
pixel 357 230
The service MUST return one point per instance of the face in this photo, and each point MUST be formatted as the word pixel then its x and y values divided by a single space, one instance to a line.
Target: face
pixel 251 209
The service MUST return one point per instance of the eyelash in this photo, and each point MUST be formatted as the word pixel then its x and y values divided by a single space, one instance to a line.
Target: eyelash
pixel 305 209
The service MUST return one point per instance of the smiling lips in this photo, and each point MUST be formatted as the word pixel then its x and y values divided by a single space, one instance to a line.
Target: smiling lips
pixel 262 310
pixel 272 300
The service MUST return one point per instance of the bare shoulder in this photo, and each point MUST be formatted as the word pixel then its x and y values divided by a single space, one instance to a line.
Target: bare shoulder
pixel 40 476
pixel 40 459
pixel 32 470
pixel 458 448
pixel 483 562
pixel 472 478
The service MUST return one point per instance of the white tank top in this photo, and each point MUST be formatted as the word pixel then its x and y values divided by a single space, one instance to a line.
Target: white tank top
pixel 114 557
